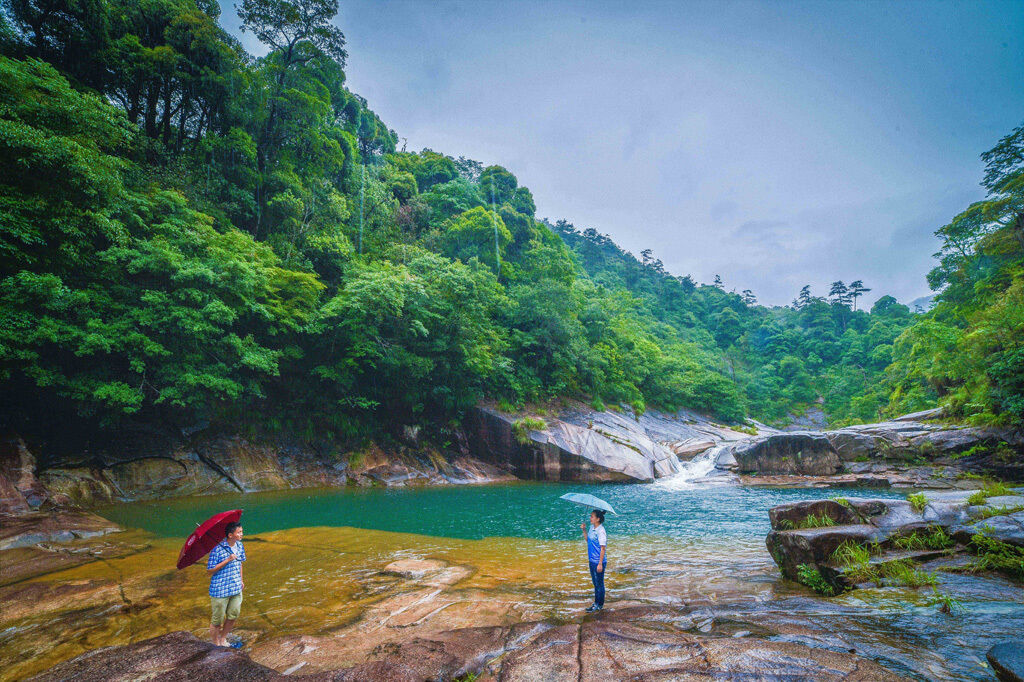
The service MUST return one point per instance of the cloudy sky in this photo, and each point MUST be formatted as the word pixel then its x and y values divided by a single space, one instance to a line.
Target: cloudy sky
pixel 774 143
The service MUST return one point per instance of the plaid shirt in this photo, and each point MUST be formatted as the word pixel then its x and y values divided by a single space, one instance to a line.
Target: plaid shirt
pixel 227 582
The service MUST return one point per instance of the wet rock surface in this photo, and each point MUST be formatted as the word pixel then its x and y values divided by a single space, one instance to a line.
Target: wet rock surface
pixel 807 534
pixel 630 643
pixel 1007 660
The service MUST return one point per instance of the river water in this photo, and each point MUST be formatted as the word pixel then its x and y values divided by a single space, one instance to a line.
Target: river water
pixel 318 565
pixel 524 510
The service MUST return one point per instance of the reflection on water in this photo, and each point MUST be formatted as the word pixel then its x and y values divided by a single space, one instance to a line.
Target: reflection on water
pixel 317 566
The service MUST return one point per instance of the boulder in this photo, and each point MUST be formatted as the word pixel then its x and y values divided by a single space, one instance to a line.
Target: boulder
pixel 794 514
pixel 851 445
pixel 11 499
pixel 863 522
pixel 814 546
pixel 78 487
pixel 56 526
pixel 1007 660
pixel 804 453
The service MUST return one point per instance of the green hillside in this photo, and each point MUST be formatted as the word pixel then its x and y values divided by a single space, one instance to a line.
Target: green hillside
pixel 191 233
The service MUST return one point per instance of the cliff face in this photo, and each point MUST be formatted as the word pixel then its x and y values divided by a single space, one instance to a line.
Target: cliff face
pixel 577 443
pixel 217 463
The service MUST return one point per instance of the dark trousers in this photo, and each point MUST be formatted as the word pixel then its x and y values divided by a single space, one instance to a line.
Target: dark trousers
pixel 598 579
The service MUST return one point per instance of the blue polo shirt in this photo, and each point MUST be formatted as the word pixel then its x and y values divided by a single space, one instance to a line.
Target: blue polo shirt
pixel 596 539
pixel 227 582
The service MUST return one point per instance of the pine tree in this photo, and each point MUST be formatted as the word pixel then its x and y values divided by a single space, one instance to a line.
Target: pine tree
pixel 839 293
pixel 804 298
pixel 857 289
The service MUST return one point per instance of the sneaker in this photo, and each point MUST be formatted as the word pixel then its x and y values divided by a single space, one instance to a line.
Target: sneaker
pixel 592 608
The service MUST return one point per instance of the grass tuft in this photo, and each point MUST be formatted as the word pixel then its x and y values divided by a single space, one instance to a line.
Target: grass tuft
pixel 812 521
pixel 990 489
pixel 918 501
pixel 522 427
pixel 936 538
pixel 812 578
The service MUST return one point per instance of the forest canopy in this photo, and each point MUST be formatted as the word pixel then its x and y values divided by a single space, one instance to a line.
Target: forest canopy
pixel 192 233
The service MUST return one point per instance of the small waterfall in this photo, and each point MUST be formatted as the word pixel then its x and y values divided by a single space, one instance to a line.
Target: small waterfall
pixel 698 472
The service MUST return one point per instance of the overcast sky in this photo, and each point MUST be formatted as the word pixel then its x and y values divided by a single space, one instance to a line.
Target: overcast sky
pixel 774 143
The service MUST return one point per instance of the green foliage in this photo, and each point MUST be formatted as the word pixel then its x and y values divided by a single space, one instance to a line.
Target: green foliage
pixel 812 578
pixel 903 572
pixel 193 233
pixel 989 512
pixel 917 501
pixel 990 489
pixel 995 555
pixel 968 351
pixel 522 427
pixel 946 603
pixel 935 538
pixel 855 561
pixel 812 521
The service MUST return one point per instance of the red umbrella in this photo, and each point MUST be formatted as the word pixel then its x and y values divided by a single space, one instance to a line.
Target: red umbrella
pixel 204 538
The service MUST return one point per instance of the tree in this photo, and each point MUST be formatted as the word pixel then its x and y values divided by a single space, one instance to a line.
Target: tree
pixel 839 293
pixel 295 28
pixel 748 297
pixel 718 282
pixel 804 298
pixel 857 289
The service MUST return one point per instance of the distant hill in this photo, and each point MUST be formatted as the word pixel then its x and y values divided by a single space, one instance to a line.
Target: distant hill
pixel 925 302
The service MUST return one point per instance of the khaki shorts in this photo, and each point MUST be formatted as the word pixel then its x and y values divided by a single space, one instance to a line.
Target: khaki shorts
pixel 225 607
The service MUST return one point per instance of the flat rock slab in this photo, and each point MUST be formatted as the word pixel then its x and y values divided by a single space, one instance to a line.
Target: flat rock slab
pixel 414 568
pixel 1007 660
pixel 24 530
pixel 644 642
pixel 175 656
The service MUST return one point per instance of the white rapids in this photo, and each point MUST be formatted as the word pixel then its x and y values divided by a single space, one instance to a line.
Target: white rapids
pixel 698 472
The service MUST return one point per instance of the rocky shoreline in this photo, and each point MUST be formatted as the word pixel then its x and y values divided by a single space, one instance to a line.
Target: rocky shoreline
pixel 570 443
pixel 452 624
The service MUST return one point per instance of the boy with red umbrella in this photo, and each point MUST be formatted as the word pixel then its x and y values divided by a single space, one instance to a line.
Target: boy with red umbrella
pixel 224 566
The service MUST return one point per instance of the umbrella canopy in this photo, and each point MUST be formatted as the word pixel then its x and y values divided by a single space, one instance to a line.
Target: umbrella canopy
pixel 206 536
pixel 585 500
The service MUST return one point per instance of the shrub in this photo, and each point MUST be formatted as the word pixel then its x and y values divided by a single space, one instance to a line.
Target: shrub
pixel 918 501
